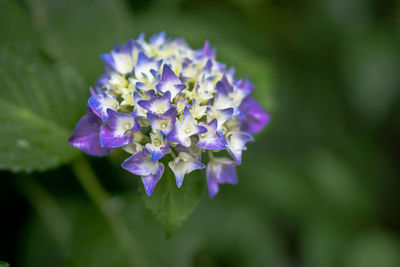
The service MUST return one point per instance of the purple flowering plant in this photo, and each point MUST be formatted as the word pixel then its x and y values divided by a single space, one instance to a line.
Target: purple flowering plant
pixel 167 104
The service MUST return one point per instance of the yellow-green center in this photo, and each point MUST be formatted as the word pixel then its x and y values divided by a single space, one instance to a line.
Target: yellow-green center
pixel 157 142
pixel 164 125
pixel 127 126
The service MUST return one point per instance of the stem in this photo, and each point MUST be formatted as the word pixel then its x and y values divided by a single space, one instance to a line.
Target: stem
pixel 99 196
pixel 172 152
pixel 210 155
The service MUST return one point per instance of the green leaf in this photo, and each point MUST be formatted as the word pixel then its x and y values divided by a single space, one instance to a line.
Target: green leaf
pixel 40 102
pixel 372 71
pixel 228 230
pixel 15 24
pixel 374 249
pixel 4 264
pixel 323 242
pixel 101 24
pixel 342 189
pixel 172 205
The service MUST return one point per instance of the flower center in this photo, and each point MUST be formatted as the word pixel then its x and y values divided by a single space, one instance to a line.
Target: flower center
pixel 164 125
pixel 157 142
pixel 160 110
pixel 203 135
pixel 127 126
pixel 188 130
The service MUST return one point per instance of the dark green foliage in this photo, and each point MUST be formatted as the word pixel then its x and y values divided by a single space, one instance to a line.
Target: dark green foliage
pixel 40 101
pixel 319 187
pixel 172 205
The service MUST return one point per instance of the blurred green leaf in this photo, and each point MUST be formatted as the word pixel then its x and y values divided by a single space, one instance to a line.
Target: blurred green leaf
pixel 172 205
pixel 47 253
pixel 374 249
pixel 40 102
pixel 92 237
pixel 324 242
pixel 339 187
pixel 101 24
pixel 372 70
pixel 285 190
pixel 227 235
pixel 4 264
pixel 14 24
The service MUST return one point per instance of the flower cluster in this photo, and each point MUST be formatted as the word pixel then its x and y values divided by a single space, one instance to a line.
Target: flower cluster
pixel 162 97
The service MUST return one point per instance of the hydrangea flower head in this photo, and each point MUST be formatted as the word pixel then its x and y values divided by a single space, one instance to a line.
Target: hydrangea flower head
pixel 161 98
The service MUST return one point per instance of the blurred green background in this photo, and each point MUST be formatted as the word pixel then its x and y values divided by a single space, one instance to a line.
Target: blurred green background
pixel 319 187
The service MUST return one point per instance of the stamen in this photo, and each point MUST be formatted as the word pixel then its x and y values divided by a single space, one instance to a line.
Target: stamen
pixel 157 142
pixel 164 125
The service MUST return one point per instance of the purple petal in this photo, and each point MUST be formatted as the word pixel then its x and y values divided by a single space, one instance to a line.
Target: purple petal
pixel 222 115
pixel 102 83
pixel 223 86
pixel 100 103
pixel 220 171
pixel 184 164
pixel 208 66
pixel 164 122
pixel 246 86
pixel 174 136
pixel 221 66
pixel 118 129
pixel 231 72
pixel 141 38
pixel 150 93
pixel 256 117
pixel 207 51
pixel 138 111
pixel 212 139
pixel 141 164
pixel 157 154
pixel 157 105
pixel 169 82
pixel 158 39
pixel 120 59
pixel 108 61
pixel 212 184
pixel 237 143
pixel 92 91
pixel 151 181
pixel 184 129
pixel 115 119
pixel 144 65
pixel 86 135
pixel 108 137
pixel 127 48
